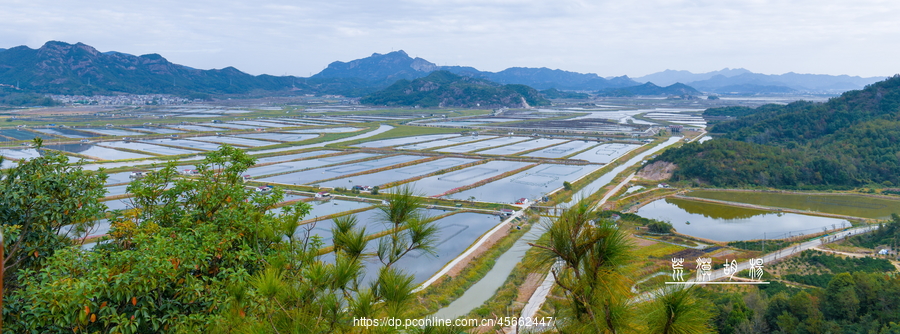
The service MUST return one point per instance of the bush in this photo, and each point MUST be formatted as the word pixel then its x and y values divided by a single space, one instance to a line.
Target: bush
pixel 659 227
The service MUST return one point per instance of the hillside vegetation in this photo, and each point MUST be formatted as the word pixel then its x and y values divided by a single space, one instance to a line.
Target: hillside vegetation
pixel 849 141
pixel 445 89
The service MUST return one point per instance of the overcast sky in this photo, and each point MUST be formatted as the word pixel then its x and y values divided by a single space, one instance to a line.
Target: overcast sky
pixel 634 38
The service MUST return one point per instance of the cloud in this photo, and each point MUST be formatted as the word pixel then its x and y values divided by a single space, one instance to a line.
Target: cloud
pixel 604 37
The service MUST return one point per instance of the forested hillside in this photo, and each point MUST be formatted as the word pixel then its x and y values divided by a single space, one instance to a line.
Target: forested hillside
pixel 445 89
pixel 849 141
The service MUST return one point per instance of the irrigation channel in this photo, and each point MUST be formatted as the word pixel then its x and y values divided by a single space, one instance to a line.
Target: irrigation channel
pixel 485 288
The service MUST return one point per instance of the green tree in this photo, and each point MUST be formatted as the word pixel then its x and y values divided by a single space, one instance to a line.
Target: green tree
pixel 589 262
pixel 324 293
pixel 841 301
pixel 169 261
pixel 659 227
pixel 44 202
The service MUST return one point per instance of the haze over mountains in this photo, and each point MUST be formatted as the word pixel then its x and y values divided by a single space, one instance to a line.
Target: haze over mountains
pixel 63 68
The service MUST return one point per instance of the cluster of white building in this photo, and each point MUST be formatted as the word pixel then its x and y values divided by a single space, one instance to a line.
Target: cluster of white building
pixel 121 100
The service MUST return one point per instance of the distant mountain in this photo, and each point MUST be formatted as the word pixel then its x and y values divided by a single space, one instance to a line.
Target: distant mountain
pixel 445 89
pixel 379 69
pixel 741 81
pixel 545 78
pixel 752 89
pixel 554 93
pixel 64 68
pixel 650 89
pixel 669 77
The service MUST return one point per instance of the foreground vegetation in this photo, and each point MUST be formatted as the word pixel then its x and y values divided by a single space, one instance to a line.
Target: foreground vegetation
pixel 201 255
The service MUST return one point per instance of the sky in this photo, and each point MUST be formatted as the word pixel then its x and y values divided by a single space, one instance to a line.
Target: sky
pixel 610 38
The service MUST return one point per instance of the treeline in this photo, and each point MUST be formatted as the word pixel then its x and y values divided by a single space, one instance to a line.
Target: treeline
pixel 759 245
pixel 445 89
pixel 849 303
pixel 653 225
pixel 887 234
pixel 25 99
pixel 846 142
pixel 832 265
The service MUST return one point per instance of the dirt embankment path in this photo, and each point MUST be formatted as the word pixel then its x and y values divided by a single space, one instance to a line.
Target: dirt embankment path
pixel 488 243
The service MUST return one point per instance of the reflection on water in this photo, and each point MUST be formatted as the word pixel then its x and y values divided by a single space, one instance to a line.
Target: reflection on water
pixel 715 211
pixel 722 223
pixel 842 204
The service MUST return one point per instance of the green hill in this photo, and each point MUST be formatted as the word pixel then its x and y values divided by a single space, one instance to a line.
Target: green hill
pixel 445 89
pixel 849 141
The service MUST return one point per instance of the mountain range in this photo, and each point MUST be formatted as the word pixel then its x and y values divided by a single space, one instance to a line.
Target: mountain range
pixel 63 68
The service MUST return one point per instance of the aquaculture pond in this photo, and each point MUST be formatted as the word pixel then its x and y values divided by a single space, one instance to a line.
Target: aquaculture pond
pixel 605 153
pixel 562 150
pixel 369 219
pixel 283 137
pixel 229 126
pixel 444 142
pixel 438 184
pixel 116 178
pixel 68 133
pixel 234 141
pixel 842 204
pixel 199 145
pixel 482 144
pixel 288 157
pixel 304 164
pixel 397 174
pixel 116 190
pixel 194 128
pixel 19 134
pixel 100 152
pixel 531 183
pixel 264 124
pixel 330 207
pixel 327 130
pixel 149 148
pixel 404 140
pixel 156 130
pixel 20 153
pixel 457 233
pixel 523 146
pixel 114 132
pixel 309 176
pixel 727 223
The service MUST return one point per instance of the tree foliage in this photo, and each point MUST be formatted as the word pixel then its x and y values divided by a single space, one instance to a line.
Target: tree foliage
pixel 445 89
pixel 44 202
pixel 206 254
pixel 848 141
pixel 588 258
